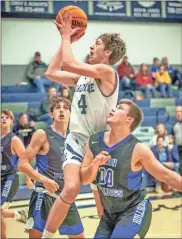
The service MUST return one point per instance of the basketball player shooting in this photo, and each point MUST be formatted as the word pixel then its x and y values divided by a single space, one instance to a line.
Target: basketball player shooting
pixel 96 92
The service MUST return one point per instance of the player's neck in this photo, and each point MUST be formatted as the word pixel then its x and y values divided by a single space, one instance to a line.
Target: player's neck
pixel 118 134
pixel 59 128
pixel 5 131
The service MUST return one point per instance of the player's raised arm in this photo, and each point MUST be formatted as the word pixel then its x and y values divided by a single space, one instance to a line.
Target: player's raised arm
pixel 90 165
pixel 101 55
pixel 55 73
pixel 156 169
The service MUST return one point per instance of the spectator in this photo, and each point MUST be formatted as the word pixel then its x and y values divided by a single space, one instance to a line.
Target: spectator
pixel 175 74
pixel 144 81
pixel 177 132
pixel 155 67
pixel 65 92
pixel 168 156
pixel 162 154
pixel 44 108
pixel 126 74
pixel 173 155
pixel 36 73
pixel 163 82
pixel 24 128
pixel 160 151
pixel 160 130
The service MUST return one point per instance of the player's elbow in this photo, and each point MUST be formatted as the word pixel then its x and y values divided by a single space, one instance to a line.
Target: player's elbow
pixel 22 166
pixel 48 73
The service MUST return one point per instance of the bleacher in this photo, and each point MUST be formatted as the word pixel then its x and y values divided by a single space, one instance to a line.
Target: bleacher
pixel 21 98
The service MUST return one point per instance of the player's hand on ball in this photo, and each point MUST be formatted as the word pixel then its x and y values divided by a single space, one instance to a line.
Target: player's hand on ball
pixel 66 30
pixel 102 158
pixel 50 184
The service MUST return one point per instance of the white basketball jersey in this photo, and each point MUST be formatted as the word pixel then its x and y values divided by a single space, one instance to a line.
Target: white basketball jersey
pixel 90 108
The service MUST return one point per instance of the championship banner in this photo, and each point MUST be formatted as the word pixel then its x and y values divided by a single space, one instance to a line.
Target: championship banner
pixel 109 8
pixel 174 9
pixel 146 9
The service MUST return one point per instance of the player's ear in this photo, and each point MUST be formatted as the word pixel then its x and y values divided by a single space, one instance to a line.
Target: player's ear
pixel 130 120
pixel 108 53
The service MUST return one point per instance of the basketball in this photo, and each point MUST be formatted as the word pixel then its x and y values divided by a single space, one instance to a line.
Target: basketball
pixel 79 17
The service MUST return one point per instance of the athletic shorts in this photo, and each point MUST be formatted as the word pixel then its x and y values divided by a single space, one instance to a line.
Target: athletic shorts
pixel 74 152
pixel 133 222
pixel 9 187
pixel 39 208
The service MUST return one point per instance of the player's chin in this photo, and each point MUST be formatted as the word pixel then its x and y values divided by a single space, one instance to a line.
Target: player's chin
pixel 109 120
pixel 4 125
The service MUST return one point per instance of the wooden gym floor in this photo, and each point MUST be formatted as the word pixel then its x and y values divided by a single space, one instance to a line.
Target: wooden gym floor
pixel 166 221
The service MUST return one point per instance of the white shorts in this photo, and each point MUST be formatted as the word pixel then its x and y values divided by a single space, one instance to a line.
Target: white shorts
pixel 74 152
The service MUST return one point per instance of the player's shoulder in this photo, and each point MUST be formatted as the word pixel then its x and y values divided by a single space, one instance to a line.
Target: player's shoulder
pixel 38 138
pixel 39 133
pixel 15 138
pixel 141 149
pixel 16 143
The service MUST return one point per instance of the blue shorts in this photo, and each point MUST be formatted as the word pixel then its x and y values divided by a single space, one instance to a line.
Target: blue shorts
pixel 39 208
pixel 134 221
pixel 9 187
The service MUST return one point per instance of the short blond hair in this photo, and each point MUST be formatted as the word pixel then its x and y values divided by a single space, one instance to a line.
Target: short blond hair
pixel 135 112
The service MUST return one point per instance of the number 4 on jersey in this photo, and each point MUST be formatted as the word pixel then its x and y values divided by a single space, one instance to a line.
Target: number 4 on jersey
pixel 82 104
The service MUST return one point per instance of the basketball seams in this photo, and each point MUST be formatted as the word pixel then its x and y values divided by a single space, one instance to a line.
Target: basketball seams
pixel 79 18
pixel 70 10
pixel 66 10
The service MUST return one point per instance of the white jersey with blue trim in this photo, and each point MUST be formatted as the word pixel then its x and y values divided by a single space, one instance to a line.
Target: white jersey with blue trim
pixel 90 108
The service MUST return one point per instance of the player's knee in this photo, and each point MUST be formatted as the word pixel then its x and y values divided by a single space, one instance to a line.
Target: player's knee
pixel 71 190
